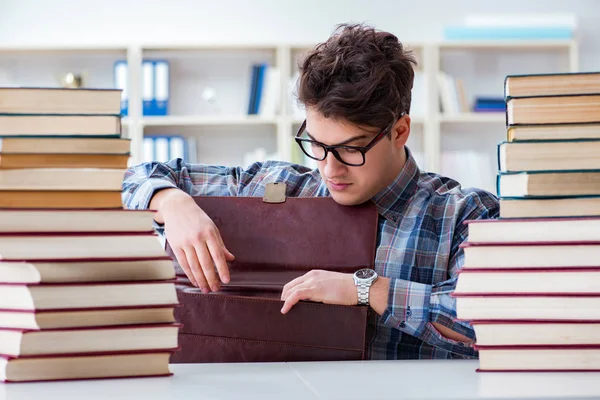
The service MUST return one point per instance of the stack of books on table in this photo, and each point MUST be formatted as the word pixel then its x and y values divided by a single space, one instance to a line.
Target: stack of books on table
pixel 530 284
pixel 85 292
pixel 61 148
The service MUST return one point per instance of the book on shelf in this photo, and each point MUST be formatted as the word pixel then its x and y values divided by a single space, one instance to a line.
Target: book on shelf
pixel 587 206
pixel 561 109
pixel 507 33
pixel 109 365
pixel 553 132
pixel 522 230
pixel 558 84
pixel 95 317
pixel 548 183
pixel 25 125
pixel 264 94
pixel 86 270
pixel 156 87
pixel 121 81
pixel 19 100
pixel 163 148
pixel 489 104
pixel 521 19
pixel 88 340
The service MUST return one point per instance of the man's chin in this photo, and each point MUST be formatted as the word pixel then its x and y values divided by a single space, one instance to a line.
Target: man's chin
pixel 347 199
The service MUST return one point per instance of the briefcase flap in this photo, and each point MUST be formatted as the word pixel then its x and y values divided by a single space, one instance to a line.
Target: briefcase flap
pixel 274 243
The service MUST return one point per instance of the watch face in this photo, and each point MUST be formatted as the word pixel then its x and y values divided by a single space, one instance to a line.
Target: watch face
pixel 365 273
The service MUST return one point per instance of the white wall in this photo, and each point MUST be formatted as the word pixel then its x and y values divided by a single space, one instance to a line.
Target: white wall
pixel 41 22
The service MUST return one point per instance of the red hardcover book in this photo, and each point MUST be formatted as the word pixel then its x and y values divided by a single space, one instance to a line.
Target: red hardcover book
pixel 539 358
pixel 527 306
pixel 528 280
pixel 90 317
pixel 36 246
pixel 536 332
pixel 77 367
pixel 91 340
pixel 53 220
pixel 534 230
pixel 531 255
pixel 55 296
pixel 86 270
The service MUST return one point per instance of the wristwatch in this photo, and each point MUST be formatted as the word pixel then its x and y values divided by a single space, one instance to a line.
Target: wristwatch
pixel 363 279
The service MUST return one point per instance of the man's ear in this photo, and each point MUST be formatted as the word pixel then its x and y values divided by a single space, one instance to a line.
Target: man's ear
pixel 401 131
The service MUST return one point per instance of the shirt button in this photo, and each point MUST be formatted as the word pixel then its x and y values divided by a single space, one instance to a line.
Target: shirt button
pixel 402 324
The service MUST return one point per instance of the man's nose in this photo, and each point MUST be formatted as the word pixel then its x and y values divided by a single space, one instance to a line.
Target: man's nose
pixel 333 166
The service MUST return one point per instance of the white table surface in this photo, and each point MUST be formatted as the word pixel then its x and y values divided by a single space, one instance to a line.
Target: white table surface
pixel 451 379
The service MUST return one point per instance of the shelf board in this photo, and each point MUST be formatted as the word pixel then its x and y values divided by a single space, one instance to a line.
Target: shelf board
pixel 413 120
pixel 200 120
pixel 62 49
pixel 507 44
pixel 479 117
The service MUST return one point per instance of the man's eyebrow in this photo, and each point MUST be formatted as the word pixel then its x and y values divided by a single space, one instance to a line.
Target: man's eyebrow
pixel 363 136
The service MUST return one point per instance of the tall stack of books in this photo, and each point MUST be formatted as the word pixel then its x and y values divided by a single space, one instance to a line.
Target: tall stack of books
pixel 530 284
pixel 86 290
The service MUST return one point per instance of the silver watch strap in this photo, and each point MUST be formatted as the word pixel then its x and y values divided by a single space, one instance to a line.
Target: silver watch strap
pixel 363 294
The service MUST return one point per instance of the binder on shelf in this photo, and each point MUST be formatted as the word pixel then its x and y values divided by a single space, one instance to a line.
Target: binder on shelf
pixel 163 148
pixel 120 77
pixel 161 87
pixel 147 87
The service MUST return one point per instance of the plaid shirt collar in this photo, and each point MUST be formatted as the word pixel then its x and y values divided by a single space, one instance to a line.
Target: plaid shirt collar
pixel 391 201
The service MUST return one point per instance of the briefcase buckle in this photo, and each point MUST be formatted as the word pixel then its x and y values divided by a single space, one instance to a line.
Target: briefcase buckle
pixel 274 192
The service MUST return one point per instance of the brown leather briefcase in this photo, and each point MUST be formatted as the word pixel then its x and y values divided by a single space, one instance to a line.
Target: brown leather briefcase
pixel 275 241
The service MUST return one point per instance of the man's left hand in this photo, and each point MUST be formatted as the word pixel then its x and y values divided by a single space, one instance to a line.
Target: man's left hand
pixel 320 286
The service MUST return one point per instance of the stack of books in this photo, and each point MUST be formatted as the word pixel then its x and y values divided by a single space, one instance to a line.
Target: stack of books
pixel 530 284
pixel 85 292
pixel 61 148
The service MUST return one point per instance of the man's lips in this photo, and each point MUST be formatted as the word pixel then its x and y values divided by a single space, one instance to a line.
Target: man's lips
pixel 338 185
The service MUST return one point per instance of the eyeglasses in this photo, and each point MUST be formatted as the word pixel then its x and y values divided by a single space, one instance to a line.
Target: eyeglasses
pixel 353 156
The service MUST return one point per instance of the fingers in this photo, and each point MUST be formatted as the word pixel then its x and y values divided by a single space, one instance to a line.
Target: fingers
pixel 217 253
pixel 297 294
pixel 228 255
pixel 207 266
pixel 290 285
pixel 181 259
pixel 196 269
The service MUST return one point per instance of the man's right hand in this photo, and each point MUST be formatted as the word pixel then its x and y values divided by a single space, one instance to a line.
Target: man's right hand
pixel 194 238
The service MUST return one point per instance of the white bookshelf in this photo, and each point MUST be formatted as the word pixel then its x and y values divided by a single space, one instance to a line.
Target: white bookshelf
pixel 229 132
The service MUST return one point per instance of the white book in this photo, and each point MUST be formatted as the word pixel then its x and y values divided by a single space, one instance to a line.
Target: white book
pixel 522 19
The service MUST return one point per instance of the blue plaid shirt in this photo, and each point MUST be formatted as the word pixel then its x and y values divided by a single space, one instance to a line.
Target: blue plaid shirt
pixel 420 230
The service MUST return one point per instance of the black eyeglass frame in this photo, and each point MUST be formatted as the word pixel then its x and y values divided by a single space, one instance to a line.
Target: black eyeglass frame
pixel 333 149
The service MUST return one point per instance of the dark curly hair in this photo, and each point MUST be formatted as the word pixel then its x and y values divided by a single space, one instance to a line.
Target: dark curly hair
pixel 359 75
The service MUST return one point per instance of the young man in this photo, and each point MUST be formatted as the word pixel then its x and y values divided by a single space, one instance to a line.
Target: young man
pixel 357 90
